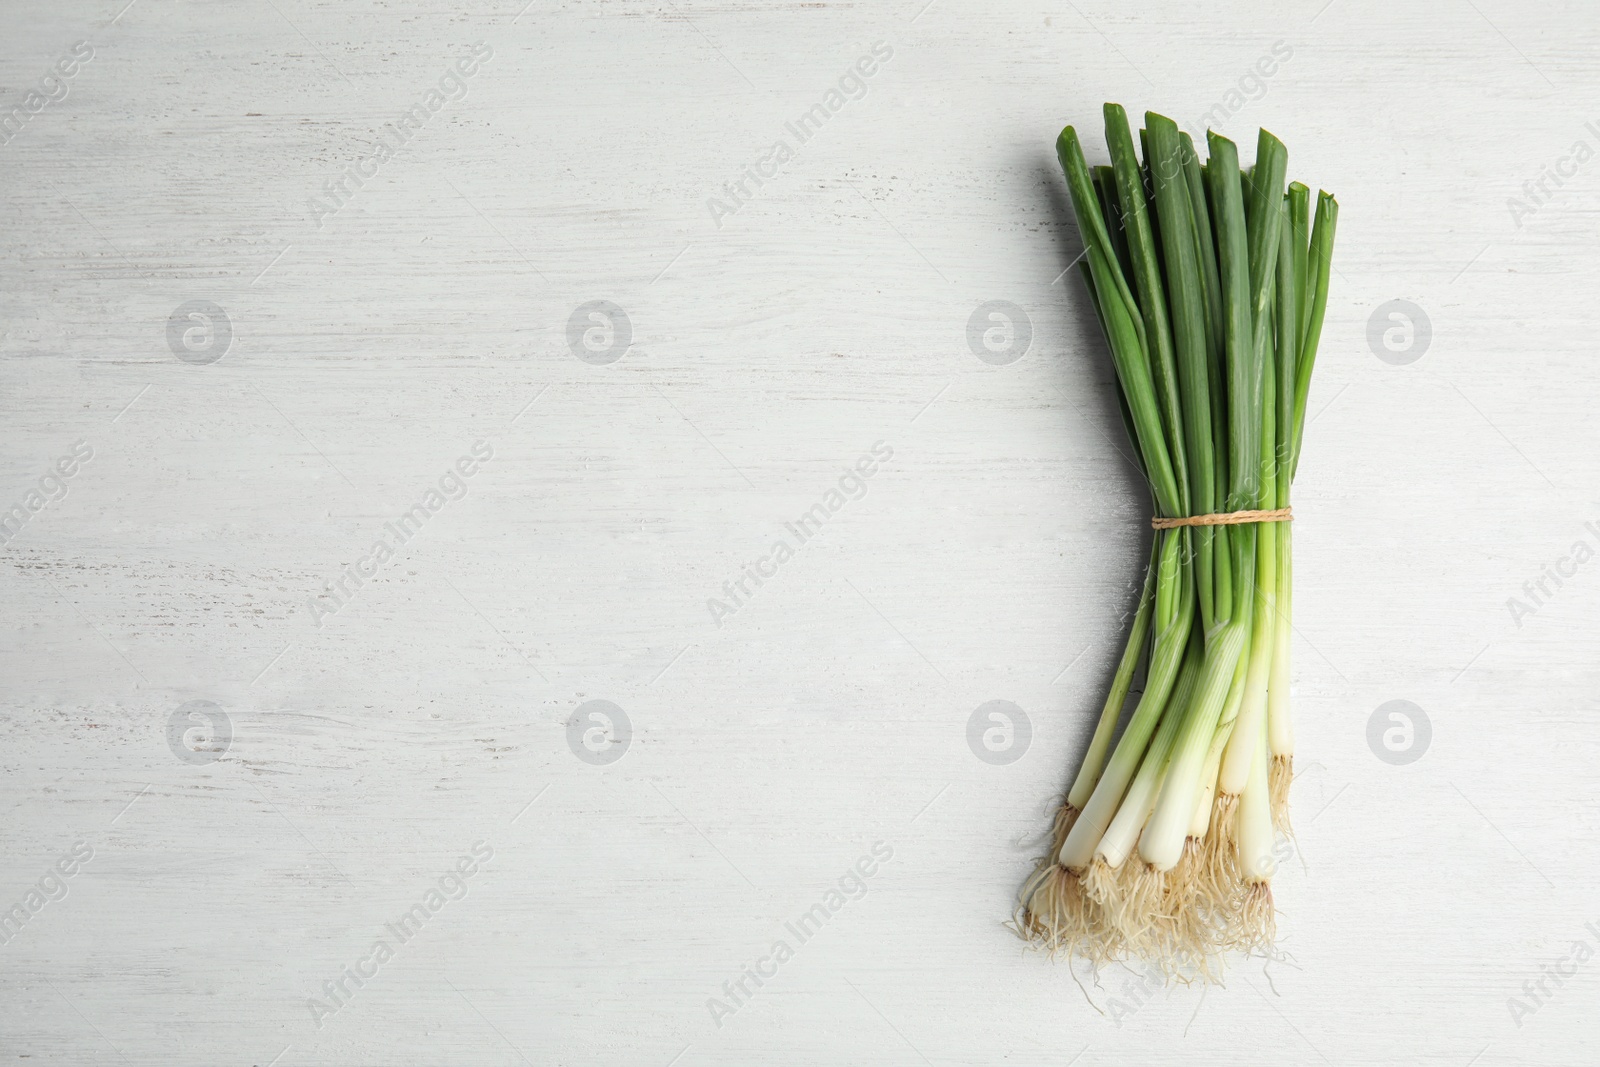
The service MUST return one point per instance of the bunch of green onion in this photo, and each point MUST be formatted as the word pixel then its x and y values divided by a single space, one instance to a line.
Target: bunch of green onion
pixel 1211 283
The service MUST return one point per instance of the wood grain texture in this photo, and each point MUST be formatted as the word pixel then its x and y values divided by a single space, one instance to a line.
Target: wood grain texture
pixel 992 557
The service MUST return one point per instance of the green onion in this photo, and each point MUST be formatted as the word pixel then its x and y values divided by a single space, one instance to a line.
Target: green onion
pixel 1211 286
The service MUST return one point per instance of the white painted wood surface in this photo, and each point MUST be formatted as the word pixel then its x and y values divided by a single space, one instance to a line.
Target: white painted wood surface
pixel 990 558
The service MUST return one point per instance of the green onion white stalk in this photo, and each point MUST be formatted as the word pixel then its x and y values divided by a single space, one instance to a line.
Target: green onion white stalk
pixel 1211 284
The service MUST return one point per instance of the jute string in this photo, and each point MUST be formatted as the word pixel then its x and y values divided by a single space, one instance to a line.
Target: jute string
pixel 1227 518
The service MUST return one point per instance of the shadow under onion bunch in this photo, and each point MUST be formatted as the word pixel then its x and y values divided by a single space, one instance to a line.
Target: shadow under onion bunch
pixel 1211 283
